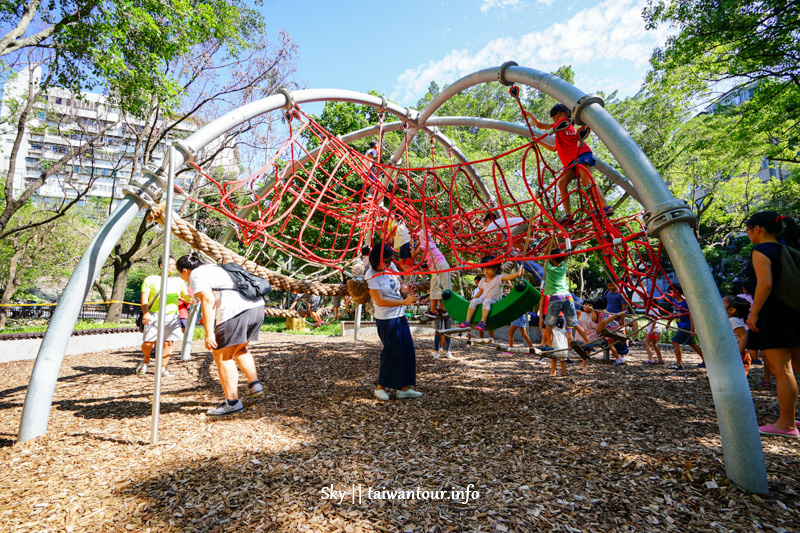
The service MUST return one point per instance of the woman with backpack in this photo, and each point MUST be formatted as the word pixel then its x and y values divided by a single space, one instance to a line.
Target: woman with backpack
pixel 773 322
pixel 230 321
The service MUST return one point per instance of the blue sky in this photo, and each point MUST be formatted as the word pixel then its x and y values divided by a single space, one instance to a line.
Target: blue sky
pixel 398 48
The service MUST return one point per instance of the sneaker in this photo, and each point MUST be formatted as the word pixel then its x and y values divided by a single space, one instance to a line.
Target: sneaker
pixel 450 355
pixel 441 313
pixel 381 394
pixel 141 369
pixel 436 354
pixel 543 361
pixel 166 373
pixel 481 326
pixel 570 362
pixel 701 365
pixel 608 211
pixel 544 348
pixel 758 362
pixel 430 314
pixel 565 220
pixel 410 393
pixel 224 409
pixel 255 391
pixel 620 361
pixel 464 324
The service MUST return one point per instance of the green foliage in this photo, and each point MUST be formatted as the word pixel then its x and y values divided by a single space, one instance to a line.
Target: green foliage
pixel 133 287
pixel 124 45
pixel 744 46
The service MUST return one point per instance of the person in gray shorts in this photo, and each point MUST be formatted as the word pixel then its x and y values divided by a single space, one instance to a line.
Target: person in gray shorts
pixel 230 321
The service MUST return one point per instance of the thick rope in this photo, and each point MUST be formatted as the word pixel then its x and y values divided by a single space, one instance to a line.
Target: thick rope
pixel 203 243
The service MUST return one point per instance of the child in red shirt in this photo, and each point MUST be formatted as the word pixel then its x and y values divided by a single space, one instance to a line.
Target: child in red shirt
pixel 571 154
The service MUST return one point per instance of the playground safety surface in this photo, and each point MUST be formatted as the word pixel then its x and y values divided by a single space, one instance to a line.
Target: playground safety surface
pixel 618 448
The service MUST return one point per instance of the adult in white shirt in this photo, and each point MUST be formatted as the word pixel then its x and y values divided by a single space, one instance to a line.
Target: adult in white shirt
pixel 398 359
pixel 230 321
pixel 504 226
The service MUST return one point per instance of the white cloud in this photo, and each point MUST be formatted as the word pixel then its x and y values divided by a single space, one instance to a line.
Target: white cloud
pixel 612 31
pixel 502 4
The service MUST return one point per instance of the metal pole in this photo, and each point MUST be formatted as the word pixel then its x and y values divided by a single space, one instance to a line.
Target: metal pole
pixel 162 308
pixel 357 325
pixel 188 335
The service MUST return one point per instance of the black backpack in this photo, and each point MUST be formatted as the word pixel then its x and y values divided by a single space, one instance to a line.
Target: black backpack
pixel 248 284
pixel 787 289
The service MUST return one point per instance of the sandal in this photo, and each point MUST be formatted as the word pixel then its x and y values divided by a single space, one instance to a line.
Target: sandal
pixel 675 366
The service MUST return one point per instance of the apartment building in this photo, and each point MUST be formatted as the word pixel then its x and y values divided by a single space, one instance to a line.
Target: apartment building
pixel 61 121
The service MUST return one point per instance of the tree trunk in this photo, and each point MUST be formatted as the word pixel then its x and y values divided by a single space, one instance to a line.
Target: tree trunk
pixel 14 281
pixel 121 269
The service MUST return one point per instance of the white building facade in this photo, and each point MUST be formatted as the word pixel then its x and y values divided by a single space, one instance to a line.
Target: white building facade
pixel 60 122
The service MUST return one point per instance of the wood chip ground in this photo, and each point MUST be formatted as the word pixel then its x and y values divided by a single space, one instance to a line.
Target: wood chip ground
pixel 627 448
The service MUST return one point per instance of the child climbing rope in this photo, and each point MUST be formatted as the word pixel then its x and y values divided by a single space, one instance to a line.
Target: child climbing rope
pixel 440 281
pixel 490 290
pixel 402 241
pixel 576 156
pixel 372 175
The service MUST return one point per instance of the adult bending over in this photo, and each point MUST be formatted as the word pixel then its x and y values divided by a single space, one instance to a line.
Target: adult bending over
pixel 398 359
pixel 230 321
pixel 772 323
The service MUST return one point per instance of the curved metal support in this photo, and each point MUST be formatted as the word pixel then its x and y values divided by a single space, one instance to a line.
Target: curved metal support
pixel 741 441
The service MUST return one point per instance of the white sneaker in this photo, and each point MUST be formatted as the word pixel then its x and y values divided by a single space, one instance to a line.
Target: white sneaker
pixel 620 361
pixel 436 354
pixel 166 373
pixel 381 394
pixel 410 393
pixel 450 355
pixel 141 369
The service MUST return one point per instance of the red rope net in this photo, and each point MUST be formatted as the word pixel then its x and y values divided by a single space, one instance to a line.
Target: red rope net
pixel 323 205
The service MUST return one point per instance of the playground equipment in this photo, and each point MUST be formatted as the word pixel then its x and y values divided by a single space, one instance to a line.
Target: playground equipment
pixel 336 216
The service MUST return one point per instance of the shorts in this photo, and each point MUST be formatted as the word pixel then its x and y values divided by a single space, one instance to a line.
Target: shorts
pixel 519 323
pixel 586 159
pixel 487 303
pixel 440 282
pixel 405 251
pixel 653 336
pixel 555 307
pixel 240 329
pixel 684 337
pixel 172 329
pixel 183 323
pixel 337 301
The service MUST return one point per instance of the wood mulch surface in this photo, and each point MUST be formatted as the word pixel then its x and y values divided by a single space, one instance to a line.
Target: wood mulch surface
pixel 629 448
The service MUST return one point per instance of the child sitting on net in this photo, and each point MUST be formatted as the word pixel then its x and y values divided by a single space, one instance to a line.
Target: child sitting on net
pixel 402 241
pixel 490 291
pixel 576 156
pixel 616 324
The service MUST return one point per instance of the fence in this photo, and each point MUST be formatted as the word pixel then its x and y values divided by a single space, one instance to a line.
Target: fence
pixel 89 311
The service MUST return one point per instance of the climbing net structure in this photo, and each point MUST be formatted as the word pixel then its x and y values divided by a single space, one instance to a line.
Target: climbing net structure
pixel 322 204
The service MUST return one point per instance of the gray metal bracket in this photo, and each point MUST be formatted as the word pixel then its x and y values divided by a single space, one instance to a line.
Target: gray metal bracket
pixel 289 105
pixel 662 215
pixel 581 104
pixel 189 154
pixel 501 74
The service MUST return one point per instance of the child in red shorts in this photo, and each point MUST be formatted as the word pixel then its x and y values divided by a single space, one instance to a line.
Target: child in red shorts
pixel 573 155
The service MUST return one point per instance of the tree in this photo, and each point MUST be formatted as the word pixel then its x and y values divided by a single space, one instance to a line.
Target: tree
pixel 740 56
pixel 214 79
pixel 123 45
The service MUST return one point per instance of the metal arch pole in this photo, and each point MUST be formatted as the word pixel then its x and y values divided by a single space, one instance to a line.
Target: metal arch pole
pixel 741 442
pixel 39 397
pixel 162 315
